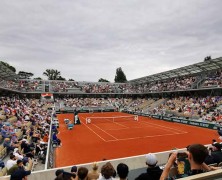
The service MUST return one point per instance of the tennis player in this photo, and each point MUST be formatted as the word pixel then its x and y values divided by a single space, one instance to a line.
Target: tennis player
pixel 76 118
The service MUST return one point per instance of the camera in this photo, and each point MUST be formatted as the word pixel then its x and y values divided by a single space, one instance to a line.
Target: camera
pixel 182 155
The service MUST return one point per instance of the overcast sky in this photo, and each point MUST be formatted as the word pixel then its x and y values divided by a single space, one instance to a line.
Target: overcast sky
pixel 88 40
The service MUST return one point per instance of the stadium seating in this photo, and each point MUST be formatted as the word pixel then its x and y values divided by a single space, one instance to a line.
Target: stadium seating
pixel 156 94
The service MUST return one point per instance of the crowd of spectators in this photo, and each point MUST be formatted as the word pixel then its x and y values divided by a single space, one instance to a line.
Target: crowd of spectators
pixel 179 83
pixel 31 118
pixel 118 103
pixel 107 172
pixel 23 85
pixel 204 108
pixel 196 159
pixel 84 102
pixel 170 84
pixel 213 80
pixel 102 88
pixel 30 85
pixel 63 86
pixel 135 104
pixel 24 130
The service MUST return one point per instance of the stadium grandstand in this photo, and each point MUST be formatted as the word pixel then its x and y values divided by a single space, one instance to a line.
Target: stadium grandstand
pixel 35 115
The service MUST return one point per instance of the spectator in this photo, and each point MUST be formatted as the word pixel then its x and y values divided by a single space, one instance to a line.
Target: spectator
pixel 18 172
pixel 2 164
pixel 216 153
pixel 11 162
pixel 5 132
pixel 219 133
pixel 197 153
pixel 56 139
pixel 7 144
pixel 153 171
pixel 18 155
pixel 107 172
pixel 65 176
pixel 74 170
pixel 122 171
pixel 45 138
pixel 58 172
pixel 28 149
pixel 94 174
pixel 82 173
pixel 14 138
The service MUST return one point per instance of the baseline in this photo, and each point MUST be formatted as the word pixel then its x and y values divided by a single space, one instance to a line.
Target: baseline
pixel 172 130
pixel 162 127
pixel 142 137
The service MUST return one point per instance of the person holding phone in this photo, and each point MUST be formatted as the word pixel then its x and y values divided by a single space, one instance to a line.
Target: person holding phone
pixel 196 154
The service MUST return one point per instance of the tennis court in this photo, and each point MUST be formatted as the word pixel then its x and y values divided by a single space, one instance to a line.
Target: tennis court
pixel 125 127
pixel 115 135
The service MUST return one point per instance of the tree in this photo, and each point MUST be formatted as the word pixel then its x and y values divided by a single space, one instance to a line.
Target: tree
pixel 102 80
pixel 120 76
pixel 8 66
pixel 208 58
pixel 25 75
pixel 52 74
pixel 71 80
pixel 38 78
pixel 61 78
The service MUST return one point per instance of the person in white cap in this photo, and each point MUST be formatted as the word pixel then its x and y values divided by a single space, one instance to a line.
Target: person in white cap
pixel 17 154
pixel 153 171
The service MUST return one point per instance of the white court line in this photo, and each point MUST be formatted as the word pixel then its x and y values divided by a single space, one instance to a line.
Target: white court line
pixel 119 124
pixel 101 130
pixel 141 122
pixel 105 132
pixel 94 132
pixel 116 129
pixel 160 126
pixel 145 137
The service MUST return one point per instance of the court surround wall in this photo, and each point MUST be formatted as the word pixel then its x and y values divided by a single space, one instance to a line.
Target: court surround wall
pixel 134 162
pixel 181 120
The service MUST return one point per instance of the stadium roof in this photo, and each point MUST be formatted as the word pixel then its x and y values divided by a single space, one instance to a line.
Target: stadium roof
pixel 6 73
pixel 206 66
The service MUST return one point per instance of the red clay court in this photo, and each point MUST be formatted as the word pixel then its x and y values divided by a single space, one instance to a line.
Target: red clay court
pixel 104 138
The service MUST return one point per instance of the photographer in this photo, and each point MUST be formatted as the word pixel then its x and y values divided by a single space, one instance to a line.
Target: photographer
pixel 196 155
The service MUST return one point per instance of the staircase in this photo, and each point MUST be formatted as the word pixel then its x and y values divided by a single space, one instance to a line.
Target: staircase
pixel 154 104
pixel 198 83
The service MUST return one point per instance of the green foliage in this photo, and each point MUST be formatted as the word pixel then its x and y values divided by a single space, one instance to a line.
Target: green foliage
pixel 8 66
pixel 25 75
pixel 120 76
pixel 52 74
pixel 207 58
pixel 38 78
pixel 102 80
pixel 61 78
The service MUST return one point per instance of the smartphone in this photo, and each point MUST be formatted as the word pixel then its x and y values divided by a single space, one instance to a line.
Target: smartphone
pixel 182 155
